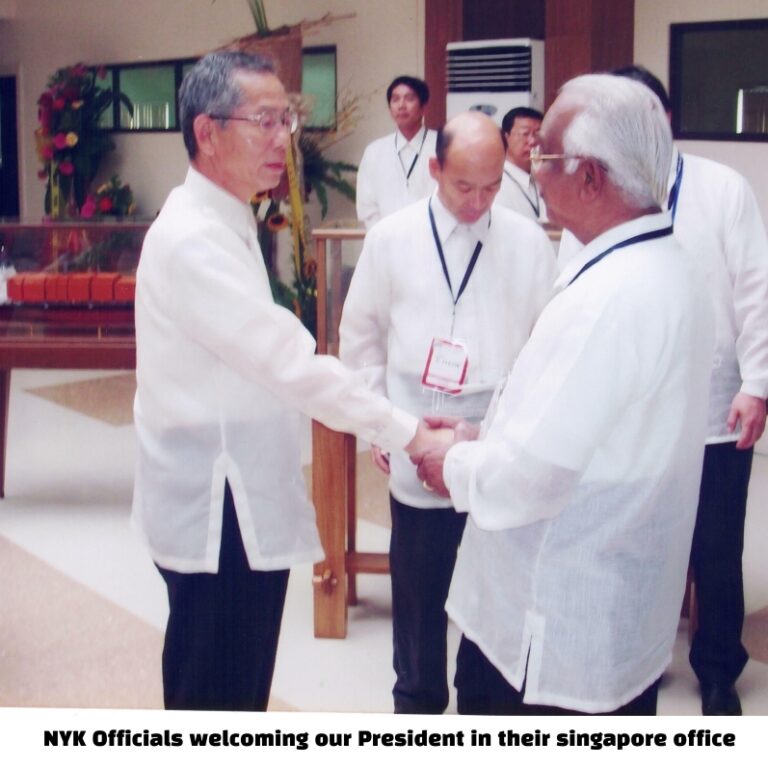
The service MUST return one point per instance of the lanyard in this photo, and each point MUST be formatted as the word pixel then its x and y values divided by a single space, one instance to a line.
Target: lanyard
pixel 623 244
pixel 675 191
pixel 415 159
pixel 533 205
pixel 470 266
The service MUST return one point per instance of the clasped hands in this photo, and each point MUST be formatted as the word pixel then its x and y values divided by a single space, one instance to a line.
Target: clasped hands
pixel 434 436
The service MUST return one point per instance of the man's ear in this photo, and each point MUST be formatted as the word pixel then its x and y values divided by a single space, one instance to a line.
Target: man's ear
pixel 434 168
pixel 593 179
pixel 205 134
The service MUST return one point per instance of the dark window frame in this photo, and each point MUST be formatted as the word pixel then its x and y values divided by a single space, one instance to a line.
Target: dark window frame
pixel 677 38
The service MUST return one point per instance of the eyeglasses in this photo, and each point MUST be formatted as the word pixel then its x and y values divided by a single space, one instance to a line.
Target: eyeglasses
pixel 538 158
pixel 268 120
pixel 524 133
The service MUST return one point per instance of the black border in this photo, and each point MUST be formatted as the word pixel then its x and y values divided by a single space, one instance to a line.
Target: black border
pixel 676 34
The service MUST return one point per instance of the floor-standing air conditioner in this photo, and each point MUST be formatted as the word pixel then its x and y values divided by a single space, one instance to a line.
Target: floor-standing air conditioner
pixel 494 76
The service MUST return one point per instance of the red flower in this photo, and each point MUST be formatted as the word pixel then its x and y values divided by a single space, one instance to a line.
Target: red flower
pixel 47 152
pixel 42 174
pixel 88 209
pixel 105 205
pixel 66 168
pixel 59 103
pixel 60 140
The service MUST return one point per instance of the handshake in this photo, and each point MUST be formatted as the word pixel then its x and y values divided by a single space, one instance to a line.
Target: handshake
pixel 434 436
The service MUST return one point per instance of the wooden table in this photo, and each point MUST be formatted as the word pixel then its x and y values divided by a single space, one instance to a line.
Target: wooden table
pixel 40 337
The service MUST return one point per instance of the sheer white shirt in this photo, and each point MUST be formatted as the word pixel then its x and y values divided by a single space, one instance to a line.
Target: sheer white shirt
pixel 222 373
pixel 582 494
pixel 718 221
pixel 382 183
pixel 519 192
pixel 399 301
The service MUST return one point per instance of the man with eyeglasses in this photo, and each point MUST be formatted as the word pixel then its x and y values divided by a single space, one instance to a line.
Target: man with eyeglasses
pixel 520 130
pixel 222 373
pixel 582 487
pixel 394 170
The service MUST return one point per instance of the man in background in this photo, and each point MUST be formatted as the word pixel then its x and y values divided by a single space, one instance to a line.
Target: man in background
pixel 520 130
pixel 443 297
pixel 717 219
pixel 394 170
pixel 582 488
pixel 222 373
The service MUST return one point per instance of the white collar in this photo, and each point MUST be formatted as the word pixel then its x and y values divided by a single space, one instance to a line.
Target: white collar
pixel 609 238
pixel 237 213
pixel 446 222
pixel 415 143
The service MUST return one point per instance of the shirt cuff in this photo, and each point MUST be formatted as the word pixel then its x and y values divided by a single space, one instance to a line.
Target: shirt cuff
pixel 400 430
pixel 755 388
pixel 458 471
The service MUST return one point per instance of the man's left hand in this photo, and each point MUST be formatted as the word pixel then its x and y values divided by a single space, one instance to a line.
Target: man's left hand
pixel 750 411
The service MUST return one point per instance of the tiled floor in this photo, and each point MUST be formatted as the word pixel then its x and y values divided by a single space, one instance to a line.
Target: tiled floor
pixel 66 514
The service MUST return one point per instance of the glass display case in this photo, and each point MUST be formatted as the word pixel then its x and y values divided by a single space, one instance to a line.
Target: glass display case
pixel 66 299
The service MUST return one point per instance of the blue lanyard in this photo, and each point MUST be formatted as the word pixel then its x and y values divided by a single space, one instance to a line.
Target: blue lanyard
pixel 533 205
pixel 415 159
pixel 440 253
pixel 623 244
pixel 674 193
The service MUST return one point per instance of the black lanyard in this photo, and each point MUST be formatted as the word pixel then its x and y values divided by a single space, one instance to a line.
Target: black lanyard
pixel 674 193
pixel 533 205
pixel 440 253
pixel 623 244
pixel 415 159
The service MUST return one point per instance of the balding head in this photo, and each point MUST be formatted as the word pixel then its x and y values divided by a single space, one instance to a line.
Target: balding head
pixel 468 165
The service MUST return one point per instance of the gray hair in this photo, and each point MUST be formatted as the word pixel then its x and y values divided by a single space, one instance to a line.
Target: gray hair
pixel 621 124
pixel 209 88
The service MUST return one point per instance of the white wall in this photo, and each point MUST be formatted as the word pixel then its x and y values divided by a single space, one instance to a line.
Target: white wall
pixel 652 20
pixel 381 41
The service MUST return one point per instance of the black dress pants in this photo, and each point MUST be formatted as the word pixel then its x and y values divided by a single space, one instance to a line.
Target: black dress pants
pixel 483 690
pixel 422 554
pixel 223 628
pixel 717 654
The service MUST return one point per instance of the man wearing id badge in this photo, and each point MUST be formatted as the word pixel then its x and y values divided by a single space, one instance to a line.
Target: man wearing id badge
pixel 394 170
pixel 582 489
pixel 444 295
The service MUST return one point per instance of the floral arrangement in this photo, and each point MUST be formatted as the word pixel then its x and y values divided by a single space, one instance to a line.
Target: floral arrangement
pixel 274 212
pixel 70 143
pixel 113 197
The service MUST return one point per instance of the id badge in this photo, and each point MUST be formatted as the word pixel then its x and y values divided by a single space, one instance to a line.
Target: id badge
pixel 446 368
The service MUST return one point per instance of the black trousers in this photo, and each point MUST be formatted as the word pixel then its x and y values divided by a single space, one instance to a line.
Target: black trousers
pixel 717 654
pixel 422 554
pixel 482 690
pixel 223 628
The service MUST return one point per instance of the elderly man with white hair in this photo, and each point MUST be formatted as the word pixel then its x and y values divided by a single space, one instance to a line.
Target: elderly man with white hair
pixel 582 487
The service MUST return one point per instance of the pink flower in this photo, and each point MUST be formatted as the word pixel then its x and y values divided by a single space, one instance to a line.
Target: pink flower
pixel 66 168
pixel 59 103
pixel 88 208
pixel 60 140
pixel 105 205
pixel 42 174
pixel 47 152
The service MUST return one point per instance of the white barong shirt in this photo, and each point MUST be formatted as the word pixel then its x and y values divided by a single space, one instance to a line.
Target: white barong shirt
pixel 582 494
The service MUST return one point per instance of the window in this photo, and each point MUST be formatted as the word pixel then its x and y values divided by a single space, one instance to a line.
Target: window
pixel 146 94
pixel 318 81
pixel 719 80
